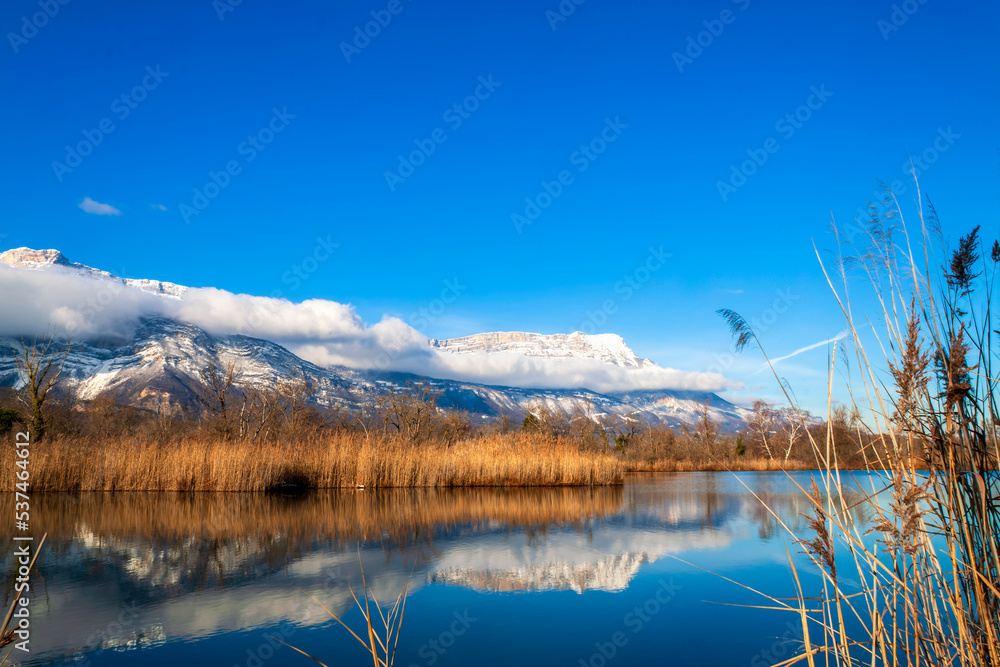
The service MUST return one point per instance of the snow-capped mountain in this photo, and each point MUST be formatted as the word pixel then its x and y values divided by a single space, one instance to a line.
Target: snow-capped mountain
pixel 161 367
pixel 26 258
pixel 158 367
pixel 609 348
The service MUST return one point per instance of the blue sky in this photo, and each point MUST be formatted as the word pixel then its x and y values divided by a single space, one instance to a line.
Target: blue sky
pixel 329 126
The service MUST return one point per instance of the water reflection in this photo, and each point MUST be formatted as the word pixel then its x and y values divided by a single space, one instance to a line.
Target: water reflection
pixel 124 571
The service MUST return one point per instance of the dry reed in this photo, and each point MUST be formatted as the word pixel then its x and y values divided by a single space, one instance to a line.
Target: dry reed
pixel 381 642
pixel 335 460
pixel 922 585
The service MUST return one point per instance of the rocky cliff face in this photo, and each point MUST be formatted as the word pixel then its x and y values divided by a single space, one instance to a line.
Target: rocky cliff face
pixel 609 348
pixel 26 258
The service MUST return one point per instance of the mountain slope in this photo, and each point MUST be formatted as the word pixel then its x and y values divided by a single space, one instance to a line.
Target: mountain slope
pixel 158 367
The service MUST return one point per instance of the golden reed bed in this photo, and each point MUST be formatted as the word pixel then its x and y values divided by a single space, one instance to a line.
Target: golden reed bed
pixel 336 460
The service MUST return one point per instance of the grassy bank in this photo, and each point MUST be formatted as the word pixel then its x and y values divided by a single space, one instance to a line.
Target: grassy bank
pixel 344 460
pixel 333 460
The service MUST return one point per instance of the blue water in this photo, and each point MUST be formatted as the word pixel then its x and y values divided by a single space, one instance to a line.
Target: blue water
pixel 627 575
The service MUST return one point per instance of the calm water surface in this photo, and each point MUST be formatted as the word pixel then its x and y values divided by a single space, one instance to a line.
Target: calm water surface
pixel 497 577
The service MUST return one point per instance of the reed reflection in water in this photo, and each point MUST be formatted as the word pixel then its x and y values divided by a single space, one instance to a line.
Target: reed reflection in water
pixel 168 574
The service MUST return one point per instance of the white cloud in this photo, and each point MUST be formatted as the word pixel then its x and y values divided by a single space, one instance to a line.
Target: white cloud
pixel 324 332
pixel 97 208
pixel 158 207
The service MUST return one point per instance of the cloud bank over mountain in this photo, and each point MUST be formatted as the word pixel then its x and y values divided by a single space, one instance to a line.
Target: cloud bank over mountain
pixel 40 291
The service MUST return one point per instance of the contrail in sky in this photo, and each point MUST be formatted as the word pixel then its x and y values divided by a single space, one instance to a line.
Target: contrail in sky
pixel 842 334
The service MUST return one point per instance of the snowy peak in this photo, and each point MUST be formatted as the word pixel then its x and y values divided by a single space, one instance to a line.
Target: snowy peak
pixel 609 348
pixel 28 258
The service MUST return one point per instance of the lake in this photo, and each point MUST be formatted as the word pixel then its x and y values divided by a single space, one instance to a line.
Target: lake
pixel 551 576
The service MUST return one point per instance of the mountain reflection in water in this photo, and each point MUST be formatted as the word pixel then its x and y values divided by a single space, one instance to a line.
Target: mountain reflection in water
pixel 154 571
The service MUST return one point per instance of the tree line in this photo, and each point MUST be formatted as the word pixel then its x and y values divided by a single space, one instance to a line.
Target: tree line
pixel 230 409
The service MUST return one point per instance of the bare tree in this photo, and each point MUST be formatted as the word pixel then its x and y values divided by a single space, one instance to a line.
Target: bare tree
pixel 620 430
pixel 453 425
pixel 584 425
pixel 366 417
pixel 296 392
pixel 40 368
pixel 542 418
pixel 408 412
pixel 843 425
pixel 761 422
pixel 506 423
pixel 217 392
pixel 793 425
pixel 708 429
pixel 630 426
pixel 260 412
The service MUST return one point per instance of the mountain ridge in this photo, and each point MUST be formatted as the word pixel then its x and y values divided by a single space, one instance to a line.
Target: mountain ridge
pixel 159 367
pixel 609 348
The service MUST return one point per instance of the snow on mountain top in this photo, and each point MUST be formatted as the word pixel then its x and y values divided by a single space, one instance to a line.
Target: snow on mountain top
pixel 609 348
pixel 28 258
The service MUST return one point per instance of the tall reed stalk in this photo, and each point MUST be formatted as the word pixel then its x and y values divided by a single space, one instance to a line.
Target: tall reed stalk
pixel 382 638
pixel 929 573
